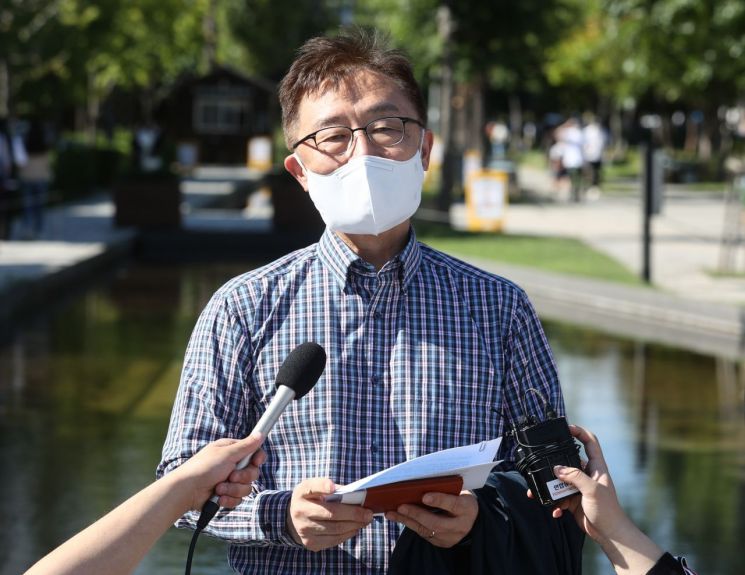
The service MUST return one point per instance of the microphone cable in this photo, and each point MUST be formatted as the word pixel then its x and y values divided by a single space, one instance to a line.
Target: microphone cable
pixel 208 512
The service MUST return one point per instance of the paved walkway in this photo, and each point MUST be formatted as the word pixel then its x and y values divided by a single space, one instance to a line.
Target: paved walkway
pixel 80 238
pixel 688 306
pixel 692 308
pixel 686 236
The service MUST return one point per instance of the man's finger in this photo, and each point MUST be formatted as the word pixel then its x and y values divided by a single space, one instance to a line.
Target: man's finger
pixel 318 542
pixel 405 520
pixel 340 512
pixel 315 488
pixel 444 501
pixel 330 528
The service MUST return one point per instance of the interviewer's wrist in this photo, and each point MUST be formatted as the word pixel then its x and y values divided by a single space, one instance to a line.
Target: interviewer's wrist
pixel 628 548
pixel 176 494
pixel 185 489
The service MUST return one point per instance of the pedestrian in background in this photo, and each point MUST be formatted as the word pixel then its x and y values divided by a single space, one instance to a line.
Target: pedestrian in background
pixel 35 175
pixel 6 172
pixel 14 157
pixel 593 141
pixel 572 155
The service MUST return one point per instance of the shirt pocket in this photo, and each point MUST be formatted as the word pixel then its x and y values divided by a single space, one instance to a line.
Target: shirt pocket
pixel 457 387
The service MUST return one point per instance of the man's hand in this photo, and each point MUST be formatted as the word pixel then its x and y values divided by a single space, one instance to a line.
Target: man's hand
pixel 440 529
pixel 318 525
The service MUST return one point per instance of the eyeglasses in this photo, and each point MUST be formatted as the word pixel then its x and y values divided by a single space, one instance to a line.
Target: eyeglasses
pixel 337 140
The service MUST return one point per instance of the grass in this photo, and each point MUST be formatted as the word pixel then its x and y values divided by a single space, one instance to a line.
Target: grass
pixel 562 255
pixel 724 274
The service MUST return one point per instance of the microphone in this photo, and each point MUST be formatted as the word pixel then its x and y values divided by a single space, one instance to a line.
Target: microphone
pixel 298 373
pixel 296 376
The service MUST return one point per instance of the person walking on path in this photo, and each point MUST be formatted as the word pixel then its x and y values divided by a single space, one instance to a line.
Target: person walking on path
pixel 6 172
pixel 570 138
pixel 593 145
pixel 35 175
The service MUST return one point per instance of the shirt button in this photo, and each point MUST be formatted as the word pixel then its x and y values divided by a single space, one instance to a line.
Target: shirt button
pixel 377 315
pixel 374 379
pixel 374 447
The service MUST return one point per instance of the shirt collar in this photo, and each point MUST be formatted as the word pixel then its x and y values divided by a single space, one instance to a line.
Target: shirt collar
pixel 338 257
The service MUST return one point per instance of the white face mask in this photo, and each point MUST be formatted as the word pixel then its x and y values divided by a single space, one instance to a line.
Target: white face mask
pixel 368 194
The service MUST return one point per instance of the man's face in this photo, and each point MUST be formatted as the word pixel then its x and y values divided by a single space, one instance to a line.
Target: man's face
pixel 362 98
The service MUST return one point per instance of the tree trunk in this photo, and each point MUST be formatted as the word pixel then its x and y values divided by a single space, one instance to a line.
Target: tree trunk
pixel 516 122
pixel 4 89
pixel 445 24
pixel 476 116
pixel 93 105
pixel 616 130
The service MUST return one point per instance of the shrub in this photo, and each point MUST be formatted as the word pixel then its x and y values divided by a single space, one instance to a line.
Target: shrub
pixel 82 169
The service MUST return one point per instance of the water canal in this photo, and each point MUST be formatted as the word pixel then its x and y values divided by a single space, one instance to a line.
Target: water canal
pixel 86 392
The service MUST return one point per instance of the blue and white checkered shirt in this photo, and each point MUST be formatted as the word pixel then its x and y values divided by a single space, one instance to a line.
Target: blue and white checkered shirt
pixel 426 354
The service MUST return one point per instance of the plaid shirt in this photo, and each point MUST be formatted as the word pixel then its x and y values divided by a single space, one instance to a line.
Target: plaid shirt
pixel 426 354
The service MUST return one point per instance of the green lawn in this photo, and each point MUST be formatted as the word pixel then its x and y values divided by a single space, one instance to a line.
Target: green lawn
pixel 561 255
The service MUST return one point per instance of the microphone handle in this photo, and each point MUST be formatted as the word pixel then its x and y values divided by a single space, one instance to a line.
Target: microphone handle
pixel 278 404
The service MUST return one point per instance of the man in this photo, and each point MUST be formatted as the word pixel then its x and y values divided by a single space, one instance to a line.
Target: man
pixel 424 352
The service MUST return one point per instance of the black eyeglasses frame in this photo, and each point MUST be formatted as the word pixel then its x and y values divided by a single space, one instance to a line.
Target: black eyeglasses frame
pixel 312 136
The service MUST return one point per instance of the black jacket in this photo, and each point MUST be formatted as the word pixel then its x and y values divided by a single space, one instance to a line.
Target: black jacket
pixel 513 535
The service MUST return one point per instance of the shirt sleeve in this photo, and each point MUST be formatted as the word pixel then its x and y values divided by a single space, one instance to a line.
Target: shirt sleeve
pixel 213 402
pixel 669 565
pixel 531 378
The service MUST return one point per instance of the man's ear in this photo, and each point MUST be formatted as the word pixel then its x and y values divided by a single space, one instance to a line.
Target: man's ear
pixel 293 166
pixel 427 144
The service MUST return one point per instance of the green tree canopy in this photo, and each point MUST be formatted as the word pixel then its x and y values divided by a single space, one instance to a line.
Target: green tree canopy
pixel 270 31
pixel 686 51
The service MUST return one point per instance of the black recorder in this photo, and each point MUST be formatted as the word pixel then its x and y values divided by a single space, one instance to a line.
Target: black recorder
pixel 540 446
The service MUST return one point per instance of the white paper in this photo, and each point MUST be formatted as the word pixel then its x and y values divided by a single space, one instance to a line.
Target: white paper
pixel 472 462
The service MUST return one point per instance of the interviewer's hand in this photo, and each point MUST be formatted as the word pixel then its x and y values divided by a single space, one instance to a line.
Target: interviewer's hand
pixel 318 524
pixel 597 510
pixel 440 529
pixel 599 514
pixel 212 470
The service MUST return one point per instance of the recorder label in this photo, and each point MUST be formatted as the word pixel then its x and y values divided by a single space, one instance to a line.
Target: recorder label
pixel 559 489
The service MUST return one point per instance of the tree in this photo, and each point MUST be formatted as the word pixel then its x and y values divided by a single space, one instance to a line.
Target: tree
pixel 270 31
pixel 488 47
pixel 136 45
pixel 75 52
pixel 27 46
pixel 686 53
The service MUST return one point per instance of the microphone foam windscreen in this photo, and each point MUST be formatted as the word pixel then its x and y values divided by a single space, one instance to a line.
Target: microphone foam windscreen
pixel 302 368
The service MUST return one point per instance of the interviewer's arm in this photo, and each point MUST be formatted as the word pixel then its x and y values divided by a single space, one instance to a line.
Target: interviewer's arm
pixel 600 515
pixel 117 542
